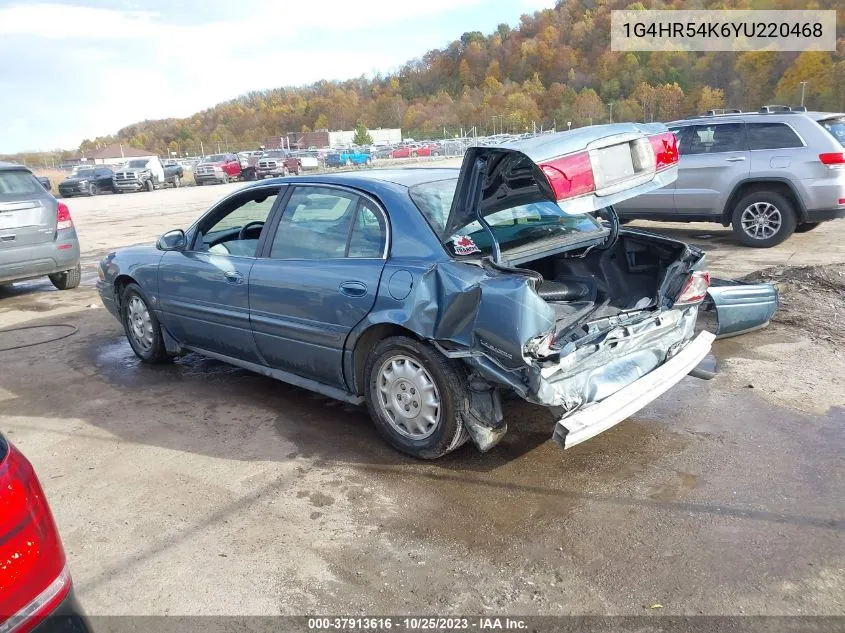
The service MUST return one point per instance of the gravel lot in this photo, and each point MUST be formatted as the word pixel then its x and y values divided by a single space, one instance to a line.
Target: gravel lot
pixel 199 488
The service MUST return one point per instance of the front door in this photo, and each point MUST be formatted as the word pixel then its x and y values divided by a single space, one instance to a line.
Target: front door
pixel 204 290
pixel 316 280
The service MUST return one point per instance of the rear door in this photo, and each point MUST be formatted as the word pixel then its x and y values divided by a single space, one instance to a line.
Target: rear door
pixel 713 159
pixel 776 149
pixel 27 210
pixel 317 279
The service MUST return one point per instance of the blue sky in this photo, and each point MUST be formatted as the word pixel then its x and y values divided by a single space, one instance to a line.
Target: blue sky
pixel 78 69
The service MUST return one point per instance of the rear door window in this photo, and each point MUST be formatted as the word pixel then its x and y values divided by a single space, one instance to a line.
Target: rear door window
pixel 716 138
pixel 771 136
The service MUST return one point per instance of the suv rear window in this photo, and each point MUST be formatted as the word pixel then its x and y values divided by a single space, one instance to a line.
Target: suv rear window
pixel 771 136
pixel 836 127
pixel 513 227
pixel 17 183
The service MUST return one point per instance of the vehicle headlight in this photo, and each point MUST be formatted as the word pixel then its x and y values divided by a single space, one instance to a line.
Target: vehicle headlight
pixel 82 183
pixel 218 168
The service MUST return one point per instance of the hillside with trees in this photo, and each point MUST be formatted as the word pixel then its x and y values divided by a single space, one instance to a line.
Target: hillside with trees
pixel 554 67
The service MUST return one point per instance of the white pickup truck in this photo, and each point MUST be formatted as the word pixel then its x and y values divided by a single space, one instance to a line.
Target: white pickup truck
pixel 145 174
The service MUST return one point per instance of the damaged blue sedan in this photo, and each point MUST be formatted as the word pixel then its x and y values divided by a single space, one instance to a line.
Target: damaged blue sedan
pixel 429 293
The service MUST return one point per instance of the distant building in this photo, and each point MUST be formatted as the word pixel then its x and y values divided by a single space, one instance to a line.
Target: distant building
pixel 327 138
pixel 117 154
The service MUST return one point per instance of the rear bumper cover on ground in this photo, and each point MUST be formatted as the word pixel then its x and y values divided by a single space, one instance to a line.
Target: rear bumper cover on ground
pixel 596 418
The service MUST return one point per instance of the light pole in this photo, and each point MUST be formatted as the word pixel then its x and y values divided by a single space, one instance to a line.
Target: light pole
pixel 803 85
pixel 611 111
pixel 494 125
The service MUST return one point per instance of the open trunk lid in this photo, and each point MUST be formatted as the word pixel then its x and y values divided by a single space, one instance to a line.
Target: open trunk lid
pixel 582 171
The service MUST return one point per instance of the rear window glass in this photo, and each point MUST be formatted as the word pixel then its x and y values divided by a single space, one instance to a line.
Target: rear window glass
pixel 513 227
pixel 771 136
pixel 836 127
pixel 14 184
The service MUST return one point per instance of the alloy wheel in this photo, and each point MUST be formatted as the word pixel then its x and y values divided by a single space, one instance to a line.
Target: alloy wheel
pixel 761 220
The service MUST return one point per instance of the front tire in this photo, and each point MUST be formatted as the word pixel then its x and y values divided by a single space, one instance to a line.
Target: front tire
pixel 177 182
pixel 93 190
pixel 805 227
pixel 68 279
pixel 149 186
pixel 416 397
pixel 763 219
pixel 142 327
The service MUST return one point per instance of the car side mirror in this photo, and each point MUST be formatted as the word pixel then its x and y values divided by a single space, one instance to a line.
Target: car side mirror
pixel 172 241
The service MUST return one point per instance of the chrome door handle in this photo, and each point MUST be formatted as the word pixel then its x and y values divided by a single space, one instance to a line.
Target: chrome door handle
pixel 233 277
pixel 353 288
pixel 735 159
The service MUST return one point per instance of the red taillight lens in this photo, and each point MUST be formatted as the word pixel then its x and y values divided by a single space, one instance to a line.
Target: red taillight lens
pixel 695 289
pixel 570 176
pixel 63 220
pixel 665 148
pixel 834 158
pixel 33 577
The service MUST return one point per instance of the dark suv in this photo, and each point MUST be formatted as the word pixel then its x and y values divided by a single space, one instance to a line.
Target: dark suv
pixel 766 174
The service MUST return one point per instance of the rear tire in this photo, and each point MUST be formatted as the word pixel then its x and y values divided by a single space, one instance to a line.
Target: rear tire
pixel 68 279
pixel 404 375
pixel 763 219
pixel 805 227
pixel 142 327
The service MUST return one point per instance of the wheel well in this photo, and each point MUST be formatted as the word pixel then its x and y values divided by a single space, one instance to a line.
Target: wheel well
pixel 119 284
pixel 366 342
pixel 772 186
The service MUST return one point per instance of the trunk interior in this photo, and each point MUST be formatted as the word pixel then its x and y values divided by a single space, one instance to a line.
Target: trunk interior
pixel 627 277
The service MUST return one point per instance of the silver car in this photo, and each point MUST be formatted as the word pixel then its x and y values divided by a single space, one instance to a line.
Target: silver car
pixel 766 174
pixel 37 236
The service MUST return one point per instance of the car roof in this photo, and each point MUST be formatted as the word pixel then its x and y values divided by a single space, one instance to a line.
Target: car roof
pixel 4 166
pixel 361 178
pixel 738 117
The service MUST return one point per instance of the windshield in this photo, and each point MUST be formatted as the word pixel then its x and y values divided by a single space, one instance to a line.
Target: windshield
pixel 85 173
pixel 836 127
pixel 215 158
pixel 274 154
pixel 513 227
pixel 137 164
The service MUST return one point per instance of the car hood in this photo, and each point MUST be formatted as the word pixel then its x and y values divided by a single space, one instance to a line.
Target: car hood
pixel 619 159
pixel 75 180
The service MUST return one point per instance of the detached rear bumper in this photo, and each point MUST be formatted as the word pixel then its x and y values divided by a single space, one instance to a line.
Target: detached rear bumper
pixel 598 417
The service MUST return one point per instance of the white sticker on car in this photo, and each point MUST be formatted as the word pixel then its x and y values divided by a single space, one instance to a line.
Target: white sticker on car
pixel 464 245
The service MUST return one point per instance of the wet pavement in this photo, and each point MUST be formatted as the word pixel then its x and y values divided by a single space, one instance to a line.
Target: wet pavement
pixel 708 501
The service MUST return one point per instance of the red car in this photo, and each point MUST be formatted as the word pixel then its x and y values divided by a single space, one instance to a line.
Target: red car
pixel 36 593
pixel 412 151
